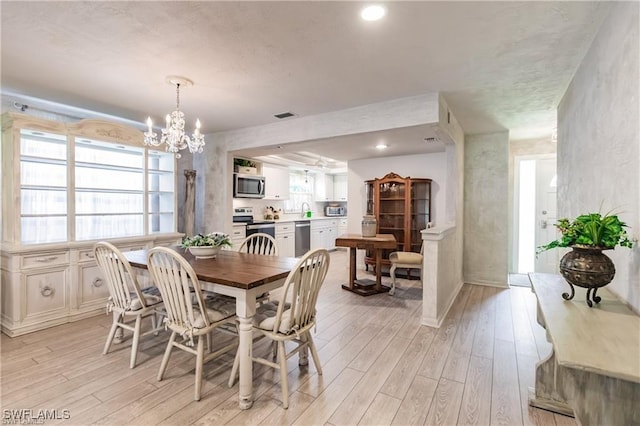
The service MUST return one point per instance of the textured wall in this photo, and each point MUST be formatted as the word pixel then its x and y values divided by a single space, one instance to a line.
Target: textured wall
pixel 599 138
pixel 213 187
pixel 486 218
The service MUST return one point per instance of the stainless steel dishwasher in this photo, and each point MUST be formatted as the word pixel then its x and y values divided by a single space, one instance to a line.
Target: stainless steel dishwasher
pixel 302 237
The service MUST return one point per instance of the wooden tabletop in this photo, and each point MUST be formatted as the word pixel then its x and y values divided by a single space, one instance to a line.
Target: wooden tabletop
pixel 241 270
pixel 604 339
pixel 383 241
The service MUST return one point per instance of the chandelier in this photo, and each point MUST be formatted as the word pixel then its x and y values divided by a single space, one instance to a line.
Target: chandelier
pixel 173 135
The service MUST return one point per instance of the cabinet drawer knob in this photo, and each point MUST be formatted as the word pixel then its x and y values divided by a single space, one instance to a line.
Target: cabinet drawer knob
pixel 97 282
pixel 90 255
pixel 46 259
pixel 47 291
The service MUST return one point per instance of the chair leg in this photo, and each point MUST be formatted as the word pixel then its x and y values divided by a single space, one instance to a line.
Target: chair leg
pixel 199 363
pixel 392 272
pixel 167 354
pixel 234 369
pixel 136 339
pixel 154 323
pixel 284 383
pixel 112 332
pixel 314 354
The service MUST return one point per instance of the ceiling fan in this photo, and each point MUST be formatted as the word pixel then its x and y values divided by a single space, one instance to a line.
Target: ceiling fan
pixel 320 163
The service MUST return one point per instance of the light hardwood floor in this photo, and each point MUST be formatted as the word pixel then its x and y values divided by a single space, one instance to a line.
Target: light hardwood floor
pixel 380 367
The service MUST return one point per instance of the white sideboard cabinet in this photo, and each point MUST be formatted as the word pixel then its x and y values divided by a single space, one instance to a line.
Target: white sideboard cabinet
pixel 64 187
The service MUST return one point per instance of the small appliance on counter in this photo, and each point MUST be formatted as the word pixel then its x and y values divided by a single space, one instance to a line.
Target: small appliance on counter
pixel 335 211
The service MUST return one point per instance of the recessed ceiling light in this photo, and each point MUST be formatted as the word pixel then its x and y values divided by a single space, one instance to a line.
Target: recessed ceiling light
pixel 373 13
pixel 381 146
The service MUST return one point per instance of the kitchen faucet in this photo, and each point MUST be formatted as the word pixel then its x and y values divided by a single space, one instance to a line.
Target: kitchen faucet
pixel 302 210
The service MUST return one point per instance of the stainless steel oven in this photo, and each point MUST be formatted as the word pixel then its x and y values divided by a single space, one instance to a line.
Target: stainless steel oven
pixel 263 227
pixel 245 215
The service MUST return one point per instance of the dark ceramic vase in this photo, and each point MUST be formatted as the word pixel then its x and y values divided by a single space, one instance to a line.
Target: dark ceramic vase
pixel 589 268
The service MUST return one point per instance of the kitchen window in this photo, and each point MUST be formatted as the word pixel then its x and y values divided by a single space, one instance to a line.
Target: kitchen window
pixel 300 191
pixel 99 190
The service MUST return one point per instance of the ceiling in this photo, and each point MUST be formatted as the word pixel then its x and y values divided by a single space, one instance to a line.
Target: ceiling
pixel 500 65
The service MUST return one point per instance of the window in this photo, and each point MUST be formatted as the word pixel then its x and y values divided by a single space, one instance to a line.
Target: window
pixel 43 191
pixel 115 191
pixel 300 191
pixel 109 190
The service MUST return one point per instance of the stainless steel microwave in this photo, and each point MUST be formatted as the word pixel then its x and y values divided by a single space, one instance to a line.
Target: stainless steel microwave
pixel 248 186
pixel 335 211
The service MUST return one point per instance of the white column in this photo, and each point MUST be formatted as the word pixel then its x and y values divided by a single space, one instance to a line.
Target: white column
pixel 440 282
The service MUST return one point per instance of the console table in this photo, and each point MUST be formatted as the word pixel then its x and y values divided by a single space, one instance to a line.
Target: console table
pixel 366 287
pixel 593 371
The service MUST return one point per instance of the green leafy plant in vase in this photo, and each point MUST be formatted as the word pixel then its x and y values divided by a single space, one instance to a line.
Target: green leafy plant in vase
pixel 586 265
pixel 206 246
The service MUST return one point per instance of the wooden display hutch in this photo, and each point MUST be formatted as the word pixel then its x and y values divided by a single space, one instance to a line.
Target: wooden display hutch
pixel 402 207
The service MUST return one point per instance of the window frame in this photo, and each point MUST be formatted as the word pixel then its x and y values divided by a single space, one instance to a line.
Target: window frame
pixel 109 135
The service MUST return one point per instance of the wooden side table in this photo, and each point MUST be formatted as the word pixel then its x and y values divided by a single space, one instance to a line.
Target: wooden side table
pixel 365 287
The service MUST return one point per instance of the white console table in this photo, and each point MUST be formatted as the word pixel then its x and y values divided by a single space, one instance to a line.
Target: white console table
pixel 593 371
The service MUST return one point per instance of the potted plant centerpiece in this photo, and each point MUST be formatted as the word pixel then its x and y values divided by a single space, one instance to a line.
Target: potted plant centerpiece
pixel 586 265
pixel 206 246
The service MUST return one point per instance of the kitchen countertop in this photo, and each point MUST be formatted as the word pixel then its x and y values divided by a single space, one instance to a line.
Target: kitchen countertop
pixel 296 219
pixel 291 220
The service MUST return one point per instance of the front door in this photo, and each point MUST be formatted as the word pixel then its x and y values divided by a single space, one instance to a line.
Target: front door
pixel 546 214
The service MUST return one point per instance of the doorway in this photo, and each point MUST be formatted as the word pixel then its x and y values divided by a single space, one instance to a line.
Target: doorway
pixel 535 215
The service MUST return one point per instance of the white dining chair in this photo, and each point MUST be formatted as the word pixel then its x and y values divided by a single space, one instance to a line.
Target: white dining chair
pixel 405 260
pixel 259 243
pixel 189 315
pixel 127 301
pixel 292 319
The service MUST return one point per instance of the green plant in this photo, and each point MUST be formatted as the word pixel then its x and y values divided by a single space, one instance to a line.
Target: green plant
pixel 590 230
pixel 243 162
pixel 213 239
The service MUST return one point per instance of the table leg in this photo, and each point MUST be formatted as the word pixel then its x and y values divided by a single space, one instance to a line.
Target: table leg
pixel 378 270
pixel 245 309
pixel 352 266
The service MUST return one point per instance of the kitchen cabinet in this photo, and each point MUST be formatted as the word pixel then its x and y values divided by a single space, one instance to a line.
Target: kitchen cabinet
pixel 276 182
pixel 402 207
pixel 238 234
pixel 323 187
pixel 340 187
pixel 342 226
pixel 323 233
pixel 285 237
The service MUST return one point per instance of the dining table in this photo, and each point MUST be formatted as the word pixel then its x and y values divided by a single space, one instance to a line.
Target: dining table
pixel 245 277
pixel 379 242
